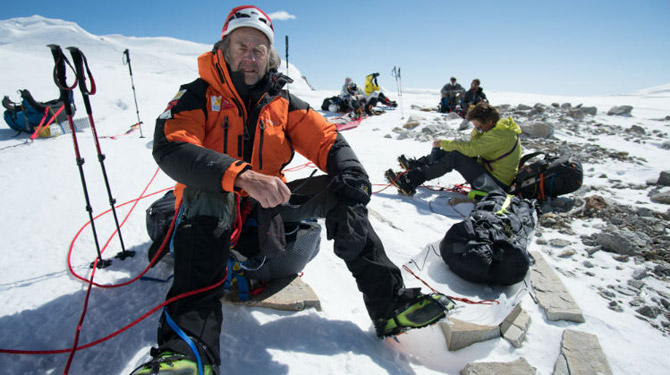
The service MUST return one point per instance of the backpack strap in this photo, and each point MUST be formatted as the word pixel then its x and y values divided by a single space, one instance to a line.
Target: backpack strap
pixel 527 157
pixel 9 105
pixel 488 162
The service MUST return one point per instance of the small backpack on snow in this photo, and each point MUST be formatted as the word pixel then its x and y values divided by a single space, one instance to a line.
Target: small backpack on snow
pixel 29 113
pixel 340 104
pixel 548 177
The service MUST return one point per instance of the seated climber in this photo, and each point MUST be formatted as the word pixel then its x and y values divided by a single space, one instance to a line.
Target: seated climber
pixel 451 94
pixel 352 95
pixel 473 96
pixel 488 161
pixel 374 94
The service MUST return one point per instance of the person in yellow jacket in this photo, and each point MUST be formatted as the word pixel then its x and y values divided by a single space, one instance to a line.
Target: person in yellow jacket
pixel 371 84
pixel 488 161
pixel 374 95
pixel 225 138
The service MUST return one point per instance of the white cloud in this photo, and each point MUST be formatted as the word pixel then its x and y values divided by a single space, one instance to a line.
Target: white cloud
pixel 282 15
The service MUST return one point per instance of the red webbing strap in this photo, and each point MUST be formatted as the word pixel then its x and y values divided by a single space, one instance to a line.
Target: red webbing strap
pixel 36 133
pixel 461 299
pixel 46 113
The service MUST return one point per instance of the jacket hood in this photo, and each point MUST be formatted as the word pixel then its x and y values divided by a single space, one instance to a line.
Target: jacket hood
pixel 213 69
pixel 507 124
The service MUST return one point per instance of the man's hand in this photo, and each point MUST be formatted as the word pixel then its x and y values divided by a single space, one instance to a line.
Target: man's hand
pixel 269 191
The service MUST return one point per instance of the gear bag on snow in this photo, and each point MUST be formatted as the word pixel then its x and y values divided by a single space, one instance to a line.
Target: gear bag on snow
pixel 29 113
pixel 548 177
pixel 490 245
pixel 340 104
pixel 302 242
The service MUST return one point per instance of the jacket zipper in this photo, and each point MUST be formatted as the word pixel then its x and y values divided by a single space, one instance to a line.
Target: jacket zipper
pixel 240 138
pixel 225 134
pixel 261 127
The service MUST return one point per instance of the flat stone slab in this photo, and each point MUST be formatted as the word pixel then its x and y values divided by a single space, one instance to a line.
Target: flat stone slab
pixel 518 367
pixel 288 294
pixel 515 326
pixel 551 293
pixel 460 334
pixel 581 354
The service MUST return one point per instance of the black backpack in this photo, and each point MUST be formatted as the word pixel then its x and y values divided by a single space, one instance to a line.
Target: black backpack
pixel 548 177
pixel 490 245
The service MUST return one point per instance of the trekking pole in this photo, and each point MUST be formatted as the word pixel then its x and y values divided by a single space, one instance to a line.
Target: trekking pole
pixel 287 73
pixel 126 59
pixel 80 62
pixel 66 97
pixel 286 54
pixel 396 74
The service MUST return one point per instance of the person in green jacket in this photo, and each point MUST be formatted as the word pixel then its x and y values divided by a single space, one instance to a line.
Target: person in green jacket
pixel 488 161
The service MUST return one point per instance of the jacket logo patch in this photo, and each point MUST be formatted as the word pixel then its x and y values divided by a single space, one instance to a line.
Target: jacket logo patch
pixel 179 95
pixel 167 113
pixel 220 103
pixel 216 103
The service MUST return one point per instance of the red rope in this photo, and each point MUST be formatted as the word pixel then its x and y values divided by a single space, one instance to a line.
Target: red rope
pixel 135 202
pixel 133 127
pixel 461 299
pixel 124 328
pixel 75 346
pixel 301 166
pixel 458 188
pixel 73 350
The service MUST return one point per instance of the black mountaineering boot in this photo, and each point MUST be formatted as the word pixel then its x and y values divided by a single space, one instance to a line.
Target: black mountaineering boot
pixel 421 311
pixel 406 182
pixel 412 163
pixel 170 363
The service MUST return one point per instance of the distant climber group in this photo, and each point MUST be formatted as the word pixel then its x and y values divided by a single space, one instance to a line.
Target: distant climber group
pixel 456 99
pixel 353 99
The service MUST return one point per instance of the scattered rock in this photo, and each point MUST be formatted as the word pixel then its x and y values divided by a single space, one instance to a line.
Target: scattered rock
pixel 651 312
pixel 661 197
pixel 590 110
pixel 465 124
pixel 537 129
pixel 624 110
pixel 515 326
pixel 662 270
pixel 518 367
pixel 559 242
pixel 551 294
pixel 581 354
pixel 412 122
pixel 621 242
pixel 636 129
pixel 595 203
pixel 460 334
pixel 640 274
pixel 567 253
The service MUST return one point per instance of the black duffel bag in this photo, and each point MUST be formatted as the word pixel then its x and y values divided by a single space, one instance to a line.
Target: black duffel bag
pixel 490 245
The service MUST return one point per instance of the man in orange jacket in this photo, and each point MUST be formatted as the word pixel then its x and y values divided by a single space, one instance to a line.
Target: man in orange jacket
pixel 229 134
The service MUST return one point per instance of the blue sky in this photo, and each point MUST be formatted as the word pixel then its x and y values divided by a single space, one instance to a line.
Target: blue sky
pixel 568 47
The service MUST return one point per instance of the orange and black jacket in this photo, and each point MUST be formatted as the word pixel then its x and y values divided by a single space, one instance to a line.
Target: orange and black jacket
pixel 208 134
